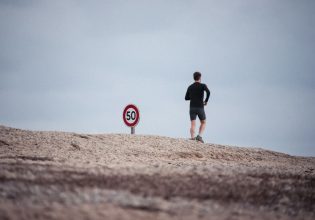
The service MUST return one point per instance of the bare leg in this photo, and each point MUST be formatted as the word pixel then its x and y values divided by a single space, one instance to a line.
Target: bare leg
pixel 192 128
pixel 202 127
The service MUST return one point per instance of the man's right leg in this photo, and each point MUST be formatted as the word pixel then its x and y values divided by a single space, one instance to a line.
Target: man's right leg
pixel 202 127
pixel 192 129
pixel 202 117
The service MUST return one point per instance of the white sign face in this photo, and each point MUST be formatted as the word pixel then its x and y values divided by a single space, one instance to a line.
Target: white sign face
pixel 131 115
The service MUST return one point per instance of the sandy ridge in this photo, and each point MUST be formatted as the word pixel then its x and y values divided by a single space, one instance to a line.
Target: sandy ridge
pixel 148 176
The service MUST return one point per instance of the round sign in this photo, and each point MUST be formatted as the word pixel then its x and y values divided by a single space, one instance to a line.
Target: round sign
pixel 131 115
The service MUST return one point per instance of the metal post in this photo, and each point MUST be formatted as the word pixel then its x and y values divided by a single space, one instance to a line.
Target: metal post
pixel 133 130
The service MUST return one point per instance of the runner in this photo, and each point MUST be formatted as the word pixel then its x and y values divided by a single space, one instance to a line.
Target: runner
pixel 195 93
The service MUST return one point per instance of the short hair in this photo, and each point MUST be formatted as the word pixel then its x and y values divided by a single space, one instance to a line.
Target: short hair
pixel 197 76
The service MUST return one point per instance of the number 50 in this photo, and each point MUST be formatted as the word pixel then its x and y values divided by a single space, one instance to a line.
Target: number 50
pixel 131 115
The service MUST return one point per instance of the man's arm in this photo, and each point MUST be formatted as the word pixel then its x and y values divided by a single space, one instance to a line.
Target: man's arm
pixel 208 94
pixel 187 96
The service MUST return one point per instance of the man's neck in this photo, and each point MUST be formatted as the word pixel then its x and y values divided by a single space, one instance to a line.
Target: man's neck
pixel 197 81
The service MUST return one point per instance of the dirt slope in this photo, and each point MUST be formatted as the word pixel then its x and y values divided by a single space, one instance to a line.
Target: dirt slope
pixel 62 175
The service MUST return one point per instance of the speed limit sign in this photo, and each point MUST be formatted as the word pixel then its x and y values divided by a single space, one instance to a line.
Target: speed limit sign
pixel 131 116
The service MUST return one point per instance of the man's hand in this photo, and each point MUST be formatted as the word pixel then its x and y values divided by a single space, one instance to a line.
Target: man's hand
pixel 204 103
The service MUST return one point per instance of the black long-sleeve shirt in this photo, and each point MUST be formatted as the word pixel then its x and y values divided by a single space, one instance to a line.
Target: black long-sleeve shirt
pixel 195 93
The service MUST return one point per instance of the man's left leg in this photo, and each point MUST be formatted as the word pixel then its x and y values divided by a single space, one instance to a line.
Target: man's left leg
pixel 192 129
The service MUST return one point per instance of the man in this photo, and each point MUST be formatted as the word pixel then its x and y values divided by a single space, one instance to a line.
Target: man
pixel 195 93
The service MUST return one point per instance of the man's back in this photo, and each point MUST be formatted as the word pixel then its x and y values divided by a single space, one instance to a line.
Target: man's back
pixel 195 93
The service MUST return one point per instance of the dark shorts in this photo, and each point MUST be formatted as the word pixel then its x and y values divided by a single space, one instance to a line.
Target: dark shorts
pixel 197 111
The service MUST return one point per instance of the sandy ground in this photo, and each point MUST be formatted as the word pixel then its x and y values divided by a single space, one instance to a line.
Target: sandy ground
pixel 62 175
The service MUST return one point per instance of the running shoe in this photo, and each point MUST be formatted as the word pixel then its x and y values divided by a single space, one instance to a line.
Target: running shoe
pixel 199 138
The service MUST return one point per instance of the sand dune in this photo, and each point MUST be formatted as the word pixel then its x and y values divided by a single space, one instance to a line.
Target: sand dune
pixel 63 175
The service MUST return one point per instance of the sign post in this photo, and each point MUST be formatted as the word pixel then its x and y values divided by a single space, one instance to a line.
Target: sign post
pixel 131 117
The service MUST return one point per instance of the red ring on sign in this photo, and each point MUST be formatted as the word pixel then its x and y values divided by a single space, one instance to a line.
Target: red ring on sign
pixel 137 115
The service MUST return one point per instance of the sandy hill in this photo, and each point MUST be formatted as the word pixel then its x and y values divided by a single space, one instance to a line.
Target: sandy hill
pixel 63 175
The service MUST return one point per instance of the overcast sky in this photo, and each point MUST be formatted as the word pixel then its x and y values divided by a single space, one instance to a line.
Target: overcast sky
pixel 73 65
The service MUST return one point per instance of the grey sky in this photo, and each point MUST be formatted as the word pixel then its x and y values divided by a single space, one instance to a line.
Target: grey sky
pixel 74 65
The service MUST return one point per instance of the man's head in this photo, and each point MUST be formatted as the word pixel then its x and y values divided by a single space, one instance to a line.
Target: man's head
pixel 197 76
